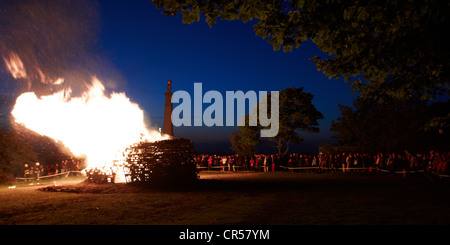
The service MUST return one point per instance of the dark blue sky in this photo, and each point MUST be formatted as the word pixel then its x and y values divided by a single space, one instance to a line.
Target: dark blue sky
pixel 149 48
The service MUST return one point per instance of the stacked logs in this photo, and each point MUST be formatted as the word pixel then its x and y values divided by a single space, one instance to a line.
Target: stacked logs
pixel 161 161
pixel 100 177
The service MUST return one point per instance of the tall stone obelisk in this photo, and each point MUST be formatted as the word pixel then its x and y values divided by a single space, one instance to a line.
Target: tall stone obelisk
pixel 168 126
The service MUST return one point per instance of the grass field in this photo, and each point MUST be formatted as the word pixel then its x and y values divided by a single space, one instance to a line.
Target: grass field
pixel 221 198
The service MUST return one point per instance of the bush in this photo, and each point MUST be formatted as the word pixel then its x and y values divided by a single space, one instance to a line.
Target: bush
pixel 6 177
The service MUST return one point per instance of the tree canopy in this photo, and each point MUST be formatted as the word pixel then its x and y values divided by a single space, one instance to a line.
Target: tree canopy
pixel 396 48
pixel 47 150
pixel 19 146
pixel 14 153
pixel 244 141
pixel 296 113
pixel 391 127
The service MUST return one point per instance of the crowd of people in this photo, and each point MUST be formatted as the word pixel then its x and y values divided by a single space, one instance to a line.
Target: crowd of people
pixel 430 162
pixel 36 170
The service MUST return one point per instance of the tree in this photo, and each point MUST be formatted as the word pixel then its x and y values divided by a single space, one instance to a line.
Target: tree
pixel 14 153
pixel 47 150
pixel 296 113
pixel 388 127
pixel 396 48
pixel 244 141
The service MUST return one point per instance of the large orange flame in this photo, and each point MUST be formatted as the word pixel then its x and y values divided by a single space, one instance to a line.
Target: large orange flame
pixel 95 125
pixel 15 66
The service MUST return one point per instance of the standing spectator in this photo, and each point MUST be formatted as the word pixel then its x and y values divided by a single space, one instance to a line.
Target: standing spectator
pixel 41 170
pixel 343 161
pixel 49 169
pixel 37 171
pixel 258 162
pixel 275 161
pixel 246 163
pixel 349 161
pixel 324 163
pixel 26 172
pixel 63 166
pixel 252 163
pixel 390 162
pixel 290 161
pixel 302 161
pixel 210 162
pixel 224 163
pixel 413 163
pixel 356 160
pixel 314 162
pixel 269 161
pixel 216 161
pixel 240 162
pixel 232 162
pixel 204 162
pixel 441 164
pixel 380 161
pixel 334 161
pixel 32 173
pixel 265 163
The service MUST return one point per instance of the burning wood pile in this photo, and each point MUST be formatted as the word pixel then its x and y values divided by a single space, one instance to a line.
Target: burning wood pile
pixel 100 176
pixel 161 161
pixel 164 161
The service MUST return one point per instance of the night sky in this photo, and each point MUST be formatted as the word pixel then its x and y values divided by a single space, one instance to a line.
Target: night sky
pixel 147 49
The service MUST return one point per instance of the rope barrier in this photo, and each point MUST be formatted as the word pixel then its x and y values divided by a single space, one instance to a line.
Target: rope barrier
pixel 327 168
pixel 401 172
pixel 50 176
pixel 292 168
pixel 66 174
pixel 440 175
pixel 370 168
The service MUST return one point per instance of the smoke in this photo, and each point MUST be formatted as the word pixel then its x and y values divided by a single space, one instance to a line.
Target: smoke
pixel 49 45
